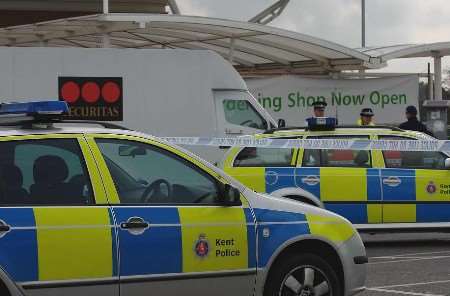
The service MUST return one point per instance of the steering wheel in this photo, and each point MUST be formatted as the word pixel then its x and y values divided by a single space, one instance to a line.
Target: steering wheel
pixel 155 187
pixel 244 123
pixel 202 197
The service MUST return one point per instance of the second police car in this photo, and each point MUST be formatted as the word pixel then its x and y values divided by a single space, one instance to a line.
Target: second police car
pixel 375 190
pixel 98 211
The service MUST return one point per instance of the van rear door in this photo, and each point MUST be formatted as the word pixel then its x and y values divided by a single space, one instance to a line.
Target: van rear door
pixel 237 115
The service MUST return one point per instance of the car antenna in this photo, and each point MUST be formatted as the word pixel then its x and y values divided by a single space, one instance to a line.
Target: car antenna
pixel 337 116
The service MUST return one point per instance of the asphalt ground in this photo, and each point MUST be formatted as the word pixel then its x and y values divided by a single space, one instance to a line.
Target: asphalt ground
pixel 408 264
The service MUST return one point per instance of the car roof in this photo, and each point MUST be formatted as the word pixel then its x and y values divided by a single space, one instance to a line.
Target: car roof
pixel 58 128
pixel 344 131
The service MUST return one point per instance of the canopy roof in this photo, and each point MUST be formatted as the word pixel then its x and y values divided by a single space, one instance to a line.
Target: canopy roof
pixel 387 53
pixel 248 46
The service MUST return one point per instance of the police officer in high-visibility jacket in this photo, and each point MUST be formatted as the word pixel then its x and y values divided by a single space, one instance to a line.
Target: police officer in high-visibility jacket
pixel 366 117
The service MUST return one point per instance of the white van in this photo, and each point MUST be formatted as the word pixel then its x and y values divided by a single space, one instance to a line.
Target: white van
pixel 164 92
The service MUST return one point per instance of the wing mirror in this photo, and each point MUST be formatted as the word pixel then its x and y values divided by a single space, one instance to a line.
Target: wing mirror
pixel 447 164
pixel 230 196
pixel 281 123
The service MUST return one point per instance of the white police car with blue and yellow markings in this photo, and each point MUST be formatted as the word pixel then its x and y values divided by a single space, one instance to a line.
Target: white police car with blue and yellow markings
pixel 399 189
pixel 100 211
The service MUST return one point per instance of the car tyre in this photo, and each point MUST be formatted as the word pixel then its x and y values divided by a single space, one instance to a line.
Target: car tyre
pixel 302 275
pixel 4 290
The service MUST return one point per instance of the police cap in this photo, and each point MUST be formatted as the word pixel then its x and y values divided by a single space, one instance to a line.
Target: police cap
pixel 319 105
pixel 367 112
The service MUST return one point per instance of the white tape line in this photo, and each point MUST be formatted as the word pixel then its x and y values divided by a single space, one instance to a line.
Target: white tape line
pixel 412 254
pixel 402 292
pixel 408 260
pixel 415 284
pixel 337 144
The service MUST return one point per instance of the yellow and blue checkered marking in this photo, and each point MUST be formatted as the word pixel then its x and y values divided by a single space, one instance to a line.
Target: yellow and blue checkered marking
pixel 281 228
pixel 18 255
pixel 46 244
pixel 157 250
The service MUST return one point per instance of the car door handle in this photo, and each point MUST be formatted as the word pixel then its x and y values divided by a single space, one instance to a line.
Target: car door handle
pixel 392 181
pixel 135 225
pixel 5 228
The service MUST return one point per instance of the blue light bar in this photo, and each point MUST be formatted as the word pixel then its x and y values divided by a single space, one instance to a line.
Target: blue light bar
pixel 35 108
pixel 321 123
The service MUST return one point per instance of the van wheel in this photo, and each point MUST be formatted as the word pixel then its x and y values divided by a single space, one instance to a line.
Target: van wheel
pixel 302 199
pixel 302 275
pixel 4 290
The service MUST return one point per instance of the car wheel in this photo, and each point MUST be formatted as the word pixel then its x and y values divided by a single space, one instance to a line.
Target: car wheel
pixel 302 275
pixel 3 290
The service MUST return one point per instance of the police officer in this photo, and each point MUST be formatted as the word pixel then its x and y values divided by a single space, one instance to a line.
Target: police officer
pixel 366 117
pixel 319 111
pixel 413 124
pixel 319 108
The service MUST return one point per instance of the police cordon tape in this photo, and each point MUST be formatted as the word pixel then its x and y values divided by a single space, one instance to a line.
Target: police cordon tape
pixel 321 144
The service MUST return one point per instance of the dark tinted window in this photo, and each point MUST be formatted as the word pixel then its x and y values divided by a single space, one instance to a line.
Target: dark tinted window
pixel 43 172
pixel 337 157
pixel 412 159
pixel 144 173
pixel 264 157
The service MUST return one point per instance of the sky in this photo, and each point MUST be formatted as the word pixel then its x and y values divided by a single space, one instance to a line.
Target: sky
pixel 388 22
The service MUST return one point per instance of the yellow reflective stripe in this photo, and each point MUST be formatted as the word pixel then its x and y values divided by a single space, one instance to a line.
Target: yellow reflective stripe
pixel 73 243
pixel 40 137
pixel 225 231
pixel 439 180
pixel 399 213
pixel 332 228
pixel 300 157
pixel 377 159
pixel 374 213
pixel 253 178
pixel 108 183
pixel 96 181
pixel 294 157
pixel 338 184
pixel 230 156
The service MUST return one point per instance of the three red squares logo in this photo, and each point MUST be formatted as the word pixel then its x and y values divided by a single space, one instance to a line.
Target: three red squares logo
pixel 93 98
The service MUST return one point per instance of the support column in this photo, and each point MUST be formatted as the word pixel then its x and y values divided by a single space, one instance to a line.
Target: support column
pixel 106 40
pixel 105 6
pixel 437 77
pixel 231 52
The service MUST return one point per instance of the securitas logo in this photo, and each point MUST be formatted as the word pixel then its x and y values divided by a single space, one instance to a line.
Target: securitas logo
pixel 92 98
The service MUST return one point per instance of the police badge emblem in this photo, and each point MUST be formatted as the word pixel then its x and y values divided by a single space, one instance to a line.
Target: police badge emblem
pixel 201 247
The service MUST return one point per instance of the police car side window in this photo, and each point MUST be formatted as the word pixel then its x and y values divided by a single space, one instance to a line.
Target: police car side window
pixel 412 159
pixel 335 157
pixel 43 172
pixel 264 157
pixel 146 174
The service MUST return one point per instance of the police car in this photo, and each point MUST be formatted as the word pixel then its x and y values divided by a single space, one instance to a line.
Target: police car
pixel 88 210
pixel 376 190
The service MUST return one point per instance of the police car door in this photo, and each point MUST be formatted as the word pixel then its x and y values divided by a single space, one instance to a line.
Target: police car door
pixel 55 221
pixel 344 180
pixel 416 186
pixel 174 236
